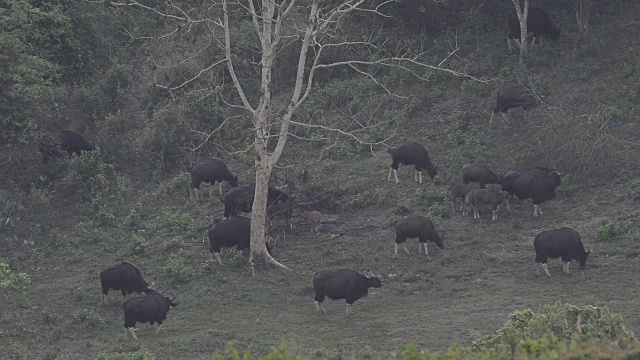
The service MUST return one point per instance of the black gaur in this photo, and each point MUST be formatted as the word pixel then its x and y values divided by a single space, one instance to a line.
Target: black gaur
pixel 342 284
pixel 512 97
pixel 151 308
pixel 126 277
pixel 210 171
pixel 538 184
pixel 240 199
pixel 283 209
pixel 70 142
pixel 234 231
pixel 562 243
pixel 416 226
pixel 538 22
pixel 411 154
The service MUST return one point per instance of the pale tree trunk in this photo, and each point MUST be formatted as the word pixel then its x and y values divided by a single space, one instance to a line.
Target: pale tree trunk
pixel 523 14
pixel 583 8
pixel 264 161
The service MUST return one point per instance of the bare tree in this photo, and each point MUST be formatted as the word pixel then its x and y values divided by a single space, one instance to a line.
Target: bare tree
pixel 523 14
pixel 277 25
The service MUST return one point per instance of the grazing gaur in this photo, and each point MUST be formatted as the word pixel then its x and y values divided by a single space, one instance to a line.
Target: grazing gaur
pixel 466 201
pixel 314 218
pixel 69 141
pixel 416 226
pixel 234 231
pixel 151 308
pixel 342 284
pixel 240 199
pixel 479 173
pixel 459 191
pixel 284 209
pixel 538 22
pixel 126 277
pixel 210 171
pixel 478 197
pixel 411 154
pixel 512 97
pixel 536 184
pixel 562 243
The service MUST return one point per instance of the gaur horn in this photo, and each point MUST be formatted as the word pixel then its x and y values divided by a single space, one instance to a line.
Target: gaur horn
pixel 367 273
pixel 173 298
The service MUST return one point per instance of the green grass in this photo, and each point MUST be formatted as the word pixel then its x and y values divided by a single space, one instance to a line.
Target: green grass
pixel 453 296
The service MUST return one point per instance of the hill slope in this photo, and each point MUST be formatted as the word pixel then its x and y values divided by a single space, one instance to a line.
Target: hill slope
pixel 453 296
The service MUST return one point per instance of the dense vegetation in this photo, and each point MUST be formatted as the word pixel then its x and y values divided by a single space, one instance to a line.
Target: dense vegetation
pixel 105 71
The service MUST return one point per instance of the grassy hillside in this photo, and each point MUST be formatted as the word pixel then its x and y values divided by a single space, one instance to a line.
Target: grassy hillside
pixel 457 295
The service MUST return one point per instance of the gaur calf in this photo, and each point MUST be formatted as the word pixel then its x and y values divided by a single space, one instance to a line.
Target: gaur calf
pixel 479 173
pixel 476 198
pixel 459 191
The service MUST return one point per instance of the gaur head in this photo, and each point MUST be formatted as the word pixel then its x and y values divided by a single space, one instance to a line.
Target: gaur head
pixel 171 301
pixel 582 259
pixel 372 281
pixel 432 170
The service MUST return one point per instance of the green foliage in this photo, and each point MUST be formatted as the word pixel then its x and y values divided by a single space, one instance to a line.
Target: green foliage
pixel 16 353
pixel 99 181
pixel 88 317
pixel 8 210
pixel 439 211
pixel 136 355
pixel 177 270
pixel 50 317
pixel 610 229
pixel 11 280
pixel 432 194
pixel 374 196
pixel 541 347
pixel 568 187
pixel 30 34
pixel 136 245
pixel 553 322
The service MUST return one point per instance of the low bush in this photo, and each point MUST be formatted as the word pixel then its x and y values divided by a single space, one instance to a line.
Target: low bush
pixel 561 321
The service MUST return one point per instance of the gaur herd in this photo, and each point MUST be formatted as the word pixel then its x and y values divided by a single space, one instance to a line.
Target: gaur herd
pixel 537 183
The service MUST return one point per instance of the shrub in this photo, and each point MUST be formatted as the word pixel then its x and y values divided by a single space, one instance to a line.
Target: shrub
pixel 177 270
pixel 49 317
pixel 609 229
pixel 370 197
pixel 562 321
pixel 11 280
pixel 89 317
